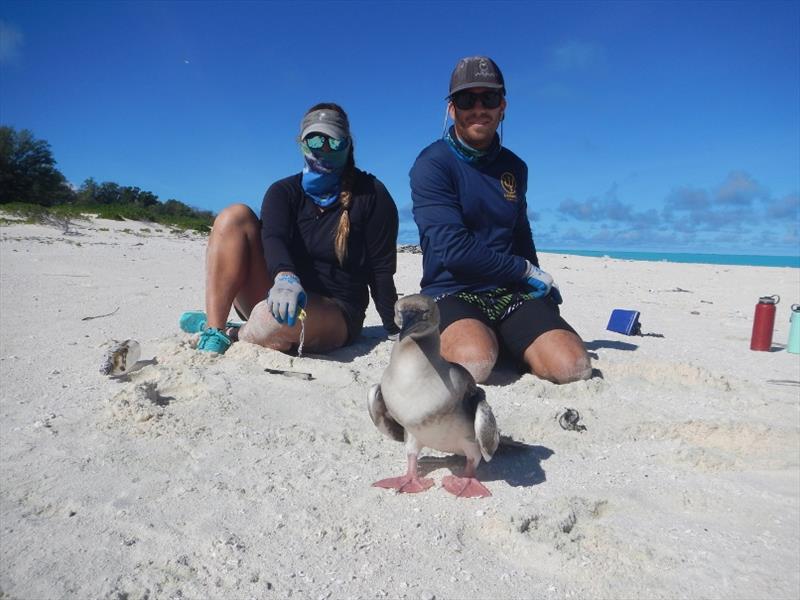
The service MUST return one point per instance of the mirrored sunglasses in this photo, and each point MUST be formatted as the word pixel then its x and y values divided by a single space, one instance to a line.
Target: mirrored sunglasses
pixel 317 141
pixel 465 100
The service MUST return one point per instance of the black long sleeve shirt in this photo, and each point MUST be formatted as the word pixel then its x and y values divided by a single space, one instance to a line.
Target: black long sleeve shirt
pixel 298 236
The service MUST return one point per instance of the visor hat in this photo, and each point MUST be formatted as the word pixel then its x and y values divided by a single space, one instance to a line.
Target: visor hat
pixel 325 120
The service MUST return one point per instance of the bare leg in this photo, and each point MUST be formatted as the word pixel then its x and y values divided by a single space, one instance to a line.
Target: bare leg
pixel 471 344
pixel 558 356
pixel 325 325
pixel 235 267
pixel 236 272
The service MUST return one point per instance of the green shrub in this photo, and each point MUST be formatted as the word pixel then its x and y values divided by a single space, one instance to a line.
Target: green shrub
pixel 34 213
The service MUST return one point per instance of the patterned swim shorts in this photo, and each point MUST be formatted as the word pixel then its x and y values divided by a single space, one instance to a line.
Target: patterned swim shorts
pixel 496 304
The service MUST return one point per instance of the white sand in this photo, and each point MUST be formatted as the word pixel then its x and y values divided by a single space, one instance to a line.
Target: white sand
pixel 206 477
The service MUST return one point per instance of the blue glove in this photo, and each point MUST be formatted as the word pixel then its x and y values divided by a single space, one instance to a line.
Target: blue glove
pixel 286 298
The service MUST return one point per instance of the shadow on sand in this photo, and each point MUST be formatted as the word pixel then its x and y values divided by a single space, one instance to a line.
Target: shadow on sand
pixel 516 463
pixel 364 344
pixel 613 344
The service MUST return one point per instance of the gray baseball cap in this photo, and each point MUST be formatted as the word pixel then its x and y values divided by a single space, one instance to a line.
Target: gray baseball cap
pixel 327 121
pixel 476 71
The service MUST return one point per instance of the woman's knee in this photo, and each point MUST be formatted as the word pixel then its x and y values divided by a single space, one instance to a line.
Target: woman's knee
pixel 235 216
pixel 262 329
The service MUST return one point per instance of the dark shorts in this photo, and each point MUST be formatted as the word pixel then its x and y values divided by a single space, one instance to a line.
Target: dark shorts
pixel 516 317
pixel 353 318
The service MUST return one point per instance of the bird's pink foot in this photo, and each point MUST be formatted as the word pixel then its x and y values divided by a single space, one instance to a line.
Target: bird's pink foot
pixel 465 487
pixel 405 484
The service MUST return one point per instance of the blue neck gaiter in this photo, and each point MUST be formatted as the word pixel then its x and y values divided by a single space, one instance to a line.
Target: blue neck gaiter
pixel 471 155
pixel 322 174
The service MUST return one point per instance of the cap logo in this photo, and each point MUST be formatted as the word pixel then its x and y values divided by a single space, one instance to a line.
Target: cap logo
pixel 509 184
pixel 476 71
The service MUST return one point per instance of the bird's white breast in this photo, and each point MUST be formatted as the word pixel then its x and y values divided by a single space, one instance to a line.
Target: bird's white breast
pixel 422 396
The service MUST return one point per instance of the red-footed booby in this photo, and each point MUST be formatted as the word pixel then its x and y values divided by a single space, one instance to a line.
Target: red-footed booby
pixel 428 402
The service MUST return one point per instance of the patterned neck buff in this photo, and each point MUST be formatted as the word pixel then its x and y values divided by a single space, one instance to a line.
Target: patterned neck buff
pixel 471 155
pixel 322 174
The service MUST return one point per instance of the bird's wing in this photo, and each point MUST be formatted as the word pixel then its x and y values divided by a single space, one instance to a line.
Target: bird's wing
pixel 381 417
pixel 486 431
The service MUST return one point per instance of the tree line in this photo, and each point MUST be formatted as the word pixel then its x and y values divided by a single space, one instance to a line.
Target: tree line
pixel 29 177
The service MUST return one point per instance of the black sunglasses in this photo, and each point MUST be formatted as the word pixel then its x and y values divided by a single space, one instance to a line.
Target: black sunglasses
pixel 465 100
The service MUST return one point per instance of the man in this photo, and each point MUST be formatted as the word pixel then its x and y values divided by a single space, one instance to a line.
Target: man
pixel 479 260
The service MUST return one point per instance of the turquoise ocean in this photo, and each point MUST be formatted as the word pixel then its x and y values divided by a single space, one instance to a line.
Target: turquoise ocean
pixel 753 260
pixel 408 235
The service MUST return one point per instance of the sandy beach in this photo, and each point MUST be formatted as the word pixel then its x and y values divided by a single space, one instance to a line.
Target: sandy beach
pixel 200 476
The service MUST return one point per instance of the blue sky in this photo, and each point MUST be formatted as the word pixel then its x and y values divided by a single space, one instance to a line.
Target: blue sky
pixel 645 125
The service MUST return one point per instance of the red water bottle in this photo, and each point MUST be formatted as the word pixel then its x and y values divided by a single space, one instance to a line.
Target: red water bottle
pixel 764 323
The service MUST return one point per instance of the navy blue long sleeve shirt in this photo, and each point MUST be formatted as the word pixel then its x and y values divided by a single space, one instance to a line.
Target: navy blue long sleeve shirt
pixel 472 220
pixel 297 236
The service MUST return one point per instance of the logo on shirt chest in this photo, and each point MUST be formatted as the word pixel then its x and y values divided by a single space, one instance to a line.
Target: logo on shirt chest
pixel 509 185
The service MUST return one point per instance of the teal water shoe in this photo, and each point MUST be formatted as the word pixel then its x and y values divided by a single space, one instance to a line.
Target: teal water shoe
pixel 194 321
pixel 213 340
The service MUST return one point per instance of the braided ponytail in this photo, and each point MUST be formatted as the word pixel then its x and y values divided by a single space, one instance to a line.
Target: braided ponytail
pixel 345 198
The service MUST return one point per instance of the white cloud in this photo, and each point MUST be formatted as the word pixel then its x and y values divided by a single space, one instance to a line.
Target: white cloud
pixel 740 189
pixel 607 208
pixel 574 54
pixel 730 206
pixel 687 198
pixel 555 92
pixel 787 207
pixel 790 236
pixel 10 42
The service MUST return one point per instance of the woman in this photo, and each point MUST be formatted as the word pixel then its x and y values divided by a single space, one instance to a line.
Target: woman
pixel 326 236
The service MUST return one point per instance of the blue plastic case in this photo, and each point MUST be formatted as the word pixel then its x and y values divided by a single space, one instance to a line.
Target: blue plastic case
pixel 624 321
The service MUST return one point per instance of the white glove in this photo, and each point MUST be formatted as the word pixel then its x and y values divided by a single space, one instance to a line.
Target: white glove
pixel 286 298
pixel 537 279
pixel 541 283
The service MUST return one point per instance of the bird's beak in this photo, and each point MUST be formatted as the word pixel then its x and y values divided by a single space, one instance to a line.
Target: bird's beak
pixel 410 320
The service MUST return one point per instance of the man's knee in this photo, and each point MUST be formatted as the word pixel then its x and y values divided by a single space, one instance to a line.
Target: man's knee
pixel 478 359
pixel 480 367
pixel 472 345
pixel 560 357
pixel 571 369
